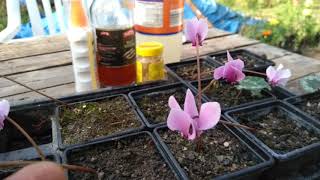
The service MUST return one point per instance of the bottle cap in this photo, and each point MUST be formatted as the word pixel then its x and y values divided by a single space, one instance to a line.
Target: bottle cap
pixel 150 49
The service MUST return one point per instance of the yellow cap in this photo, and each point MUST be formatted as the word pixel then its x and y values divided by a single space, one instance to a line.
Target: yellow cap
pixel 149 49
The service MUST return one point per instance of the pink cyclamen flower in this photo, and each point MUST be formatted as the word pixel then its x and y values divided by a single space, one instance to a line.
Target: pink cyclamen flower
pixel 4 111
pixel 196 31
pixel 231 71
pixel 278 76
pixel 188 121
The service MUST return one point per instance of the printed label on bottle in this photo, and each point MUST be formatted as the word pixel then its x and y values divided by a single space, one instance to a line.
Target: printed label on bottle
pixel 149 13
pixel 115 47
pixel 176 17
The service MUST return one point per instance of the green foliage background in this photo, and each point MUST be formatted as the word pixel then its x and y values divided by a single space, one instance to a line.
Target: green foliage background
pixel 289 24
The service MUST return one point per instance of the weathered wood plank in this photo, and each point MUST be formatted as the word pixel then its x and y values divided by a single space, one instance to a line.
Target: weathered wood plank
pixel 33 47
pixel 32 63
pixel 218 44
pixel 299 65
pixel 295 87
pixel 56 92
pixel 37 80
pixel 267 51
pixel 214 33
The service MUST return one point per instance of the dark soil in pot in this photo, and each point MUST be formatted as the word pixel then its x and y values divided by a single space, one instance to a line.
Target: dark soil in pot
pixel 189 71
pixel 129 158
pixel 155 107
pixel 90 120
pixel 36 122
pixel 221 153
pixel 228 95
pixel 278 131
pixel 311 105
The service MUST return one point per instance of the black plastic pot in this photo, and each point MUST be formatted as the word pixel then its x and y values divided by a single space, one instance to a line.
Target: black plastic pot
pixel 173 67
pixel 253 172
pixel 135 96
pixel 104 143
pixel 268 94
pixel 300 101
pixel 90 98
pixel 35 120
pixel 260 64
pixel 288 161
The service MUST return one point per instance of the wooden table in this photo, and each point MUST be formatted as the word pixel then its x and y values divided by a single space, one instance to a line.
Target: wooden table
pixel 45 63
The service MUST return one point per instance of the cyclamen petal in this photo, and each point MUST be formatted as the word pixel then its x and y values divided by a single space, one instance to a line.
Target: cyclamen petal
pixel 179 120
pixel 4 111
pixel 196 30
pixel 209 115
pixel 173 104
pixel 190 106
pixel 278 76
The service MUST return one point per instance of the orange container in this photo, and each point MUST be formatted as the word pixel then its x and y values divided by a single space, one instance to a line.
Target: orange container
pixel 159 16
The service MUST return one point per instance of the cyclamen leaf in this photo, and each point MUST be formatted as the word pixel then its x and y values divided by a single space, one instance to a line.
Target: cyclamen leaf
pixel 253 84
pixel 310 83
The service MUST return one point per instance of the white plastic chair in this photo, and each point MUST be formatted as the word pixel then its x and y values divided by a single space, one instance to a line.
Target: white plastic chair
pixel 14 18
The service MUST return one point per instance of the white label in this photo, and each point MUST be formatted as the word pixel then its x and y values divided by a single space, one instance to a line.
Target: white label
pixel 176 17
pixel 149 13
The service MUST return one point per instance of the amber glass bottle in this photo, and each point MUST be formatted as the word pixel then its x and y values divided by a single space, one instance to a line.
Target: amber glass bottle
pixel 115 41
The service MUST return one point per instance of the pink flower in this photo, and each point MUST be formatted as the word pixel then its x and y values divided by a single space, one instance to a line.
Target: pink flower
pixel 278 76
pixel 196 31
pixel 188 121
pixel 231 71
pixel 4 111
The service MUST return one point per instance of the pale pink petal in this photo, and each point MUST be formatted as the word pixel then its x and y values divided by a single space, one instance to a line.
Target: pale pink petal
pixel 282 82
pixel 191 29
pixel 271 72
pixel 209 115
pixel 279 67
pixel 239 64
pixel 179 120
pixel 232 74
pixel 229 56
pixel 190 106
pixel 218 73
pixel 173 104
pixel 4 111
pixel 202 29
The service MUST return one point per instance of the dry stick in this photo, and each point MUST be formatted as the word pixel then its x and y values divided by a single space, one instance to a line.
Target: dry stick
pixel 9 164
pixel 254 72
pixel 34 90
pixel 28 137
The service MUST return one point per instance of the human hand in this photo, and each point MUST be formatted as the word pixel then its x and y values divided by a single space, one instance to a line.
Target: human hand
pixel 39 171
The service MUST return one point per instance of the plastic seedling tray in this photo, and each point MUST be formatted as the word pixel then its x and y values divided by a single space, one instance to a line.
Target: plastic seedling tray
pixel 58 137
pixel 123 142
pixel 264 160
pixel 252 61
pixel 290 157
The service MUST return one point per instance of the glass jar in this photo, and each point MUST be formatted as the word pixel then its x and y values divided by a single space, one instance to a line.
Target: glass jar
pixel 150 66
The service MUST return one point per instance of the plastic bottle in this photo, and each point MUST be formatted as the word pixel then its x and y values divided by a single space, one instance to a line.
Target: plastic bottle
pixel 161 21
pixel 81 43
pixel 115 41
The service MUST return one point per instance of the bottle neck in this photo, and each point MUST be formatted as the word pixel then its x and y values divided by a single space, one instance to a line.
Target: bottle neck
pixel 78 17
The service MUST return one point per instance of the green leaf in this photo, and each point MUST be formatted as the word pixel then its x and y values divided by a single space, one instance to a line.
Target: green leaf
pixel 310 83
pixel 253 84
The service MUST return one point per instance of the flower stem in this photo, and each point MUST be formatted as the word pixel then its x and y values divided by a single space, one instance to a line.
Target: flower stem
pixel 236 125
pixel 254 72
pixel 28 137
pixel 9 164
pixel 34 90
pixel 199 75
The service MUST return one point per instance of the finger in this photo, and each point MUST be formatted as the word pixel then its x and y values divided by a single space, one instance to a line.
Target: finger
pixel 39 171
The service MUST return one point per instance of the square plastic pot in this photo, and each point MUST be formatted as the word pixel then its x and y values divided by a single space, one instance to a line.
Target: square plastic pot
pixel 90 98
pixel 261 63
pixel 67 152
pixel 289 161
pixel 253 172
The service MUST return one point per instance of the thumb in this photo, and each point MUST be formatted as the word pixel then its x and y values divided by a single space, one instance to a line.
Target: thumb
pixel 39 171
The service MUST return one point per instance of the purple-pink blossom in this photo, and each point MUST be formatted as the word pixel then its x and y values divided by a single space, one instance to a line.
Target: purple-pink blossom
pixel 196 31
pixel 231 71
pixel 278 76
pixel 4 111
pixel 188 121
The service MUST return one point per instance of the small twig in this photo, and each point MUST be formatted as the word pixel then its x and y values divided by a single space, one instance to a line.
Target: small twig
pixel 254 72
pixel 238 95
pixel 202 73
pixel 237 125
pixel 34 90
pixel 207 87
pixel 9 164
pixel 28 137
